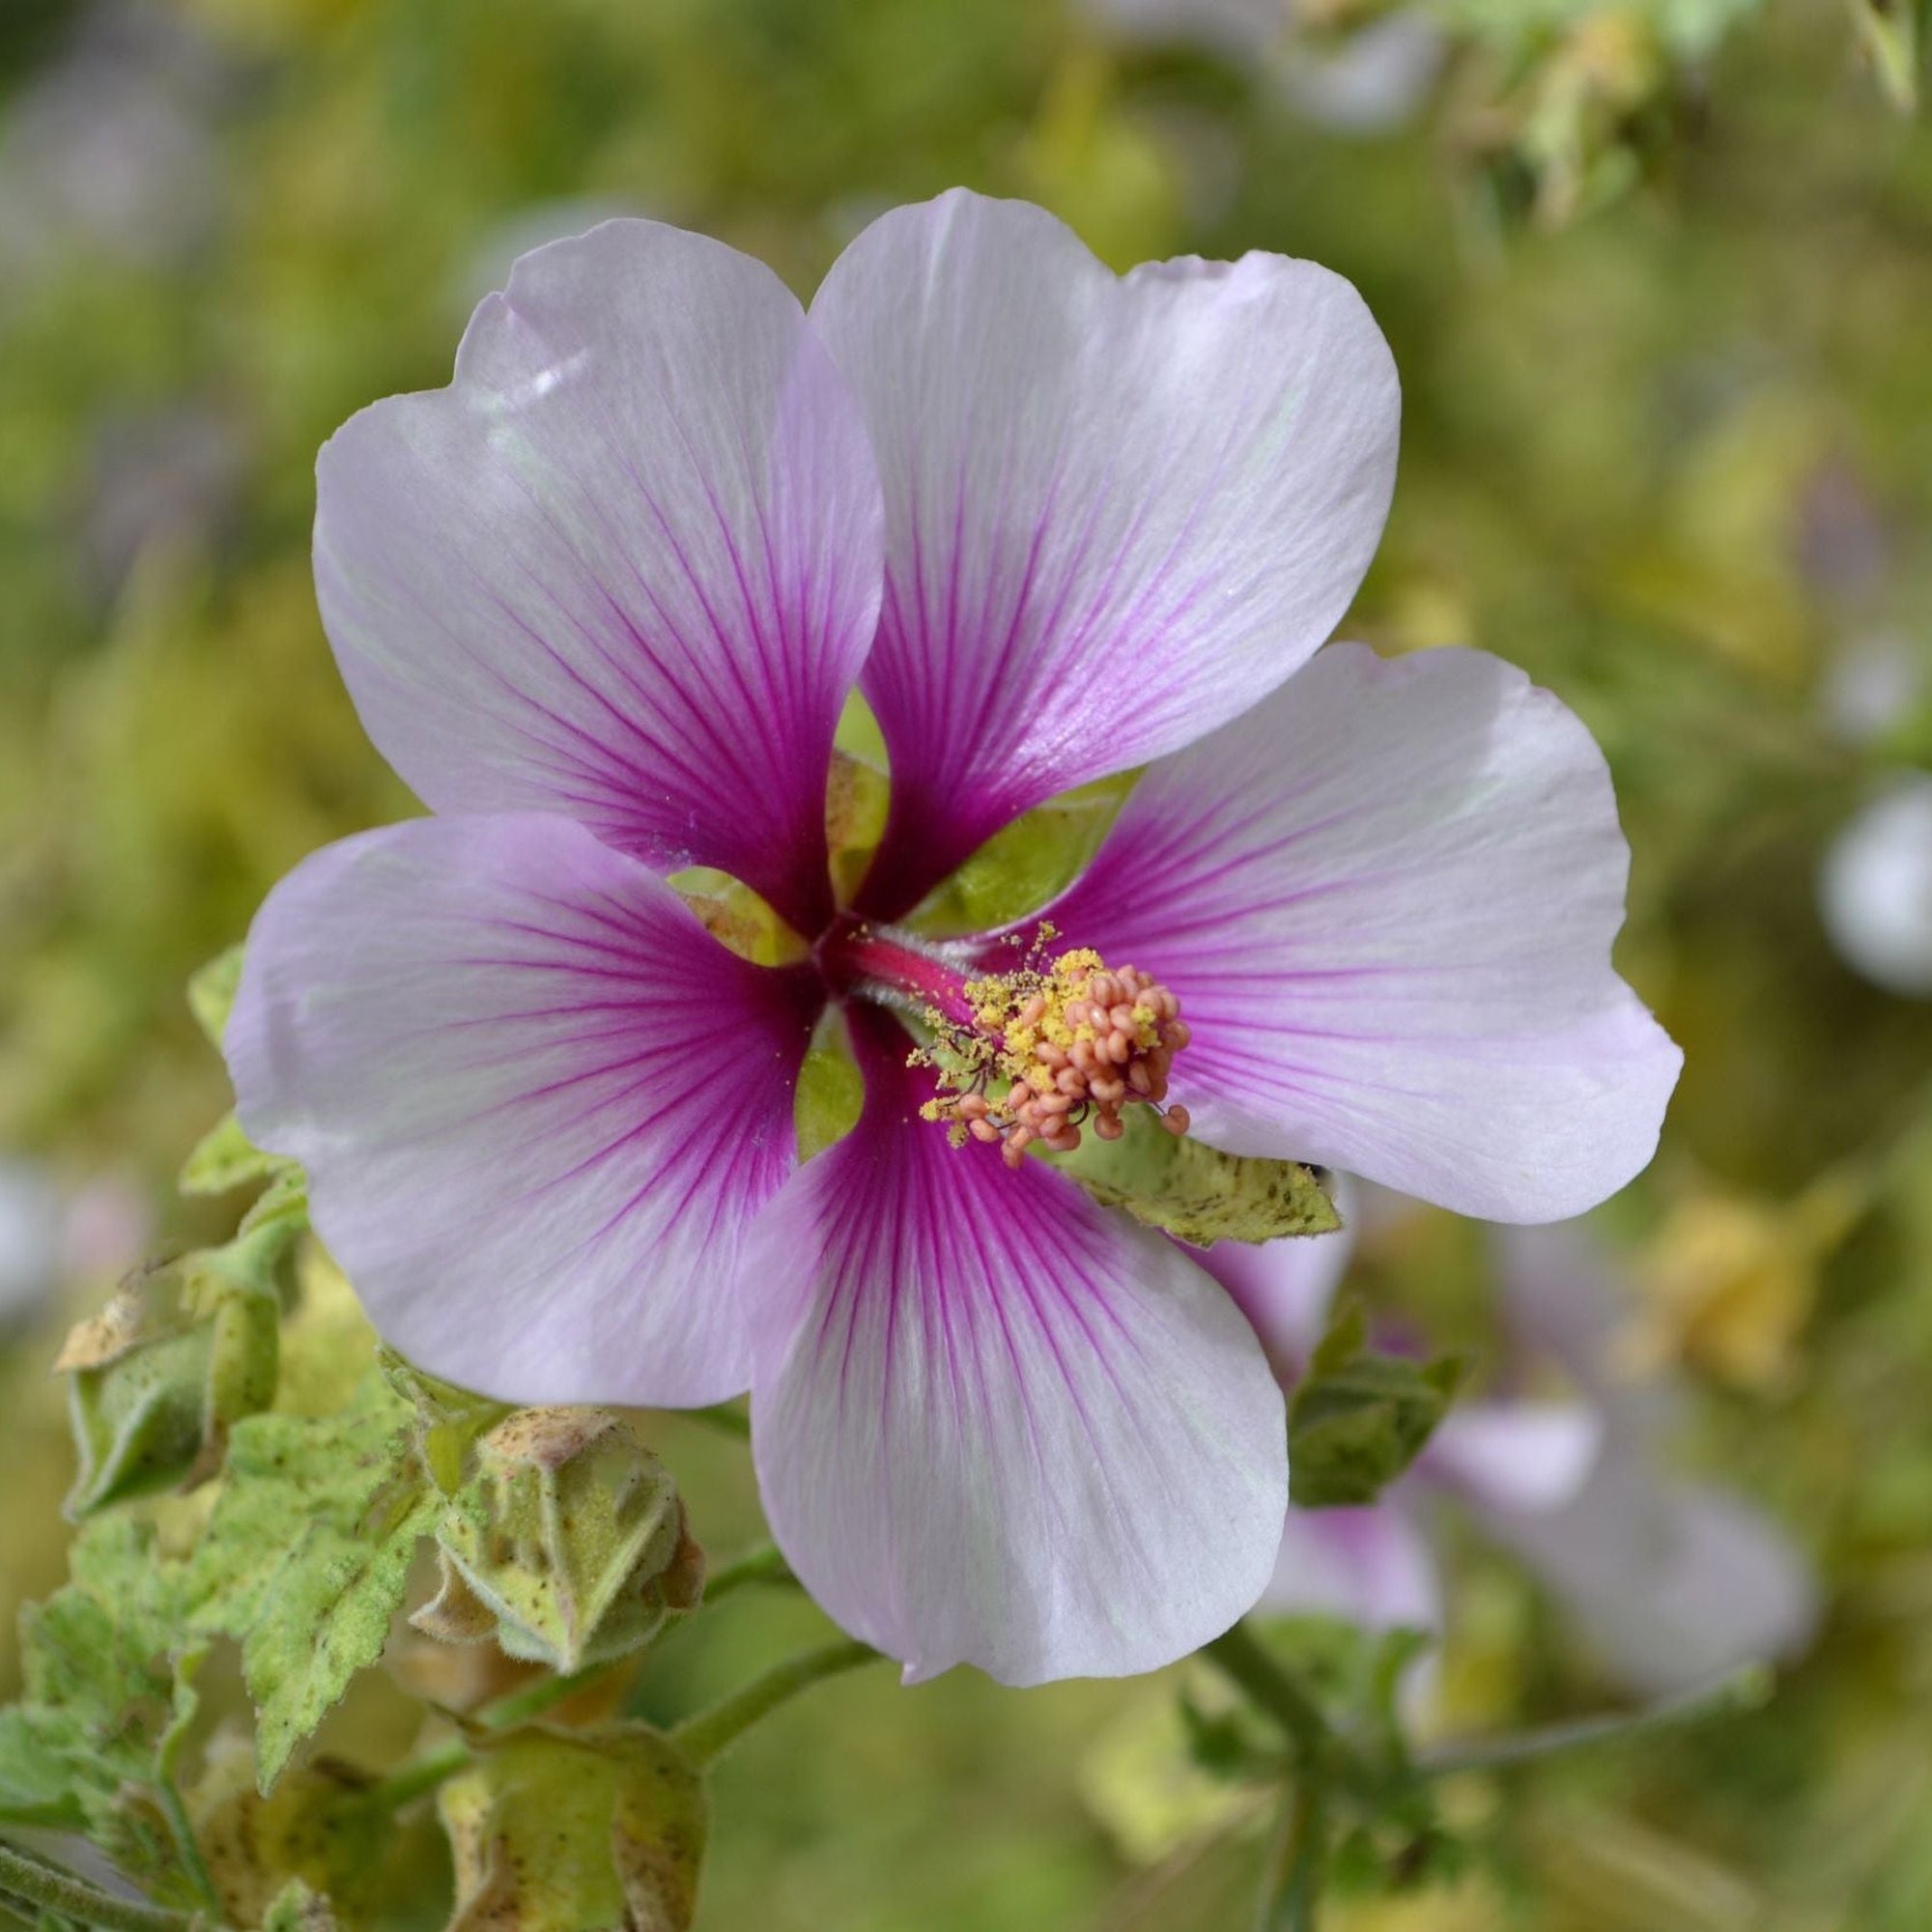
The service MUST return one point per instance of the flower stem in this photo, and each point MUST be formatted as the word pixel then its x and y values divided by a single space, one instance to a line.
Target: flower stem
pixel 1746 1691
pixel 519 1706
pixel 727 1417
pixel 762 1565
pixel 1292 1884
pixel 417 1778
pixel 188 1846
pixel 703 1736
pixel 1242 1658
pixel 45 1888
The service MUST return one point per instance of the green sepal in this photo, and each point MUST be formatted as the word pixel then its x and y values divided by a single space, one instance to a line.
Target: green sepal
pixel 307 1555
pixel 1028 864
pixel 162 1375
pixel 447 1419
pixel 1196 1192
pixel 594 1831
pixel 211 993
pixel 225 1158
pixel 568 1545
pixel 1357 1419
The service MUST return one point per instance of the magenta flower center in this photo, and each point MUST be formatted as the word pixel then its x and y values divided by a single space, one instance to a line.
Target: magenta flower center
pixel 1036 1052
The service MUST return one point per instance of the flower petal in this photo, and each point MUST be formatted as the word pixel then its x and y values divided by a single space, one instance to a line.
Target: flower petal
pixel 995 1424
pixel 1285 1288
pixel 1673 1582
pixel 1386 899
pixel 1371 1567
pixel 625 567
pixel 1515 1454
pixel 537 1102
pixel 1118 510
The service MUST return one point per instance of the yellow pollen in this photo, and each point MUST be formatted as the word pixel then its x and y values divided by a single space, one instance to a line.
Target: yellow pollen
pixel 1073 1041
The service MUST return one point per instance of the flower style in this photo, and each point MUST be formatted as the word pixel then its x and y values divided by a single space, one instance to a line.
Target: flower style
pixel 600 602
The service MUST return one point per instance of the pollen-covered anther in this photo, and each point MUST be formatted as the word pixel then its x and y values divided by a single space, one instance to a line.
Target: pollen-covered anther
pixel 1079 1042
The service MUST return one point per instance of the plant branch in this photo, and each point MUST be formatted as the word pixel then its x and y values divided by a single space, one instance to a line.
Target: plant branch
pixel 703 1736
pixel 1246 1662
pixel 1746 1691
pixel 763 1565
pixel 43 1888
pixel 1292 1884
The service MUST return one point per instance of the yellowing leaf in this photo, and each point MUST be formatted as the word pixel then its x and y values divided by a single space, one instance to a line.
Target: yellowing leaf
pixel 593 1830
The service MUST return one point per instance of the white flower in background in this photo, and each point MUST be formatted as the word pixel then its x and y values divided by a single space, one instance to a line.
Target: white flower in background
pixel 1875 889
pixel 111 147
pixel 50 1236
pixel 1872 683
pixel 30 1240
pixel 1371 81
pixel 1674 1581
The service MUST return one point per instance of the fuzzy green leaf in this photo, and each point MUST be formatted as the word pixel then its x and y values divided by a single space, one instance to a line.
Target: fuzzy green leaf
pixel 108 1694
pixel 1357 1419
pixel 311 1611
pixel 227 1159
pixel 592 1831
pixel 211 993
pixel 1196 1192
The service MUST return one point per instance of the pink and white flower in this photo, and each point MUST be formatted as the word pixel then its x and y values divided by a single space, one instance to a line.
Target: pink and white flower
pixel 600 602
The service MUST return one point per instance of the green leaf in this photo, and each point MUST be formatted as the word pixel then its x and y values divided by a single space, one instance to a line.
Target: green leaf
pixel 1890 33
pixel 283 1205
pixel 568 1545
pixel 1357 1419
pixel 211 993
pixel 307 1557
pixel 1195 1192
pixel 592 1831
pixel 108 1670
pixel 177 1357
pixel 227 1159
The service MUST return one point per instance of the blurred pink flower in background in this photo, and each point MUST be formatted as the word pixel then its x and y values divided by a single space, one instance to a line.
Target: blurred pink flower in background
pixel 1670 1581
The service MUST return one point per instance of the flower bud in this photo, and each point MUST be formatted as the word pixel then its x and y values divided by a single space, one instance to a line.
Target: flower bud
pixel 568 1544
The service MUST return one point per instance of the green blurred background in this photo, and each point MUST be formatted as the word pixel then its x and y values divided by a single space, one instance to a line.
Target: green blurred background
pixel 1658 278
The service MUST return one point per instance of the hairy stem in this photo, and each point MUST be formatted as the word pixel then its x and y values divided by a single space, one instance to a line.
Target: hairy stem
pixel 417 1778
pixel 45 1888
pixel 763 1565
pixel 703 1736
pixel 1292 1884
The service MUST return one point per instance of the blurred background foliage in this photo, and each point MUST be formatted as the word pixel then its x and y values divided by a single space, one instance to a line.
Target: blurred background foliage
pixel 1656 275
